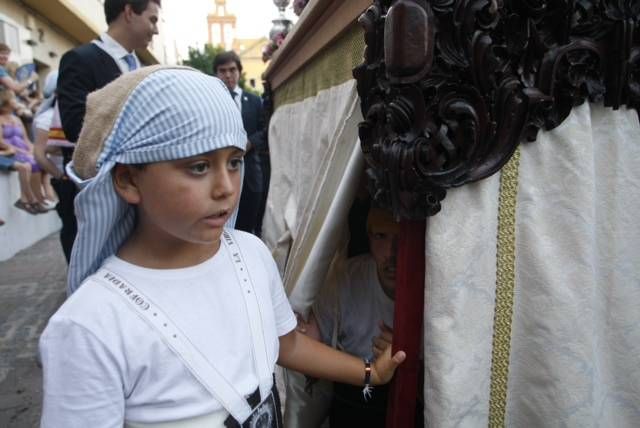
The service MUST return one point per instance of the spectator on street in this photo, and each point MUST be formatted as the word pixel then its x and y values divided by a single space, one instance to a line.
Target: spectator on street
pixel 8 162
pixel 5 79
pixel 228 68
pixel 14 135
pixel 131 25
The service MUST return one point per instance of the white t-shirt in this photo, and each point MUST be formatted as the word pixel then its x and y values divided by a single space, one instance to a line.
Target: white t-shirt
pixel 103 364
pixel 363 304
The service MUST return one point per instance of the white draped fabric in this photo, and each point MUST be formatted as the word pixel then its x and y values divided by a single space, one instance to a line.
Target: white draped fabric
pixel 575 335
pixel 316 164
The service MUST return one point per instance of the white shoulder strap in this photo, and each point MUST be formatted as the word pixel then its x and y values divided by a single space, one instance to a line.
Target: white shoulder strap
pixel 254 313
pixel 179 343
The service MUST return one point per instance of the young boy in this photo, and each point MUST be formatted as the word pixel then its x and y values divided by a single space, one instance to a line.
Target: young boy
pixel 178 320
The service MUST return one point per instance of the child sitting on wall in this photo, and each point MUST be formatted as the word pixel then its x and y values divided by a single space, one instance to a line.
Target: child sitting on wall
pixel 9 162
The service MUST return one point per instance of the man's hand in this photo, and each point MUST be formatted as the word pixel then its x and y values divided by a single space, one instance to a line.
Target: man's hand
pixel 383 340
pixel 384 367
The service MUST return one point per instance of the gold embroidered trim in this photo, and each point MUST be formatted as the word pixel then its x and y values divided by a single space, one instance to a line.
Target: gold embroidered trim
pixel 505 286
pixel 330 67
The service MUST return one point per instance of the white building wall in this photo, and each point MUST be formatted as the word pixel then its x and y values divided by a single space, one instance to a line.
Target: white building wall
pixel 21 229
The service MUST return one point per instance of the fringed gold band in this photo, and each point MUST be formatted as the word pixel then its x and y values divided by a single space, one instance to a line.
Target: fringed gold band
pixel 505 286
pixel 331 67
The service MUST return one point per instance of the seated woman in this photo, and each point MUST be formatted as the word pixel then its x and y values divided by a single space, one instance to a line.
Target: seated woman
pixel 8 162
pixel 14 135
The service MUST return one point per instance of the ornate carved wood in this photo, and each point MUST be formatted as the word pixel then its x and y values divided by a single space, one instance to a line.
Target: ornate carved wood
pixel 449 88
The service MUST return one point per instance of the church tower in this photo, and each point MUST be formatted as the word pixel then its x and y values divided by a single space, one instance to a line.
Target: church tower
pixel 221 26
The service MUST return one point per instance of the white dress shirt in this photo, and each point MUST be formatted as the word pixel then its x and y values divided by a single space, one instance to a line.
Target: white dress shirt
pixel 238 97
pixel 116 51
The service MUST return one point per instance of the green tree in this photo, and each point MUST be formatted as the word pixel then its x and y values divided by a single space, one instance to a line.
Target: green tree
pixel 203 61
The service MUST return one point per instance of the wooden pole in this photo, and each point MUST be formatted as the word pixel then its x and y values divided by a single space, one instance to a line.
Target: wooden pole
pixel 407 324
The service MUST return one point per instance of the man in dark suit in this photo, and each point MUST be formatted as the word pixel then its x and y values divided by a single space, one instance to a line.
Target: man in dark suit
pixel 131 25
pixel 227 67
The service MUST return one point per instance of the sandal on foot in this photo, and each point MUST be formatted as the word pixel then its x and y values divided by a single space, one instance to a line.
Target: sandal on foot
pixel 49 204
pixel 26 206
pixel 39 208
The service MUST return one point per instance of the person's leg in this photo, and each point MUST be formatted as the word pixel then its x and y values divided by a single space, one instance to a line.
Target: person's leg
pixel 24 177
pixel 27 200
pixel 66 191
pixel 49 193
pixel 36 186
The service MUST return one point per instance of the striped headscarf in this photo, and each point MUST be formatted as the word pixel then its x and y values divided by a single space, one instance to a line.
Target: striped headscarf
pixel 150 115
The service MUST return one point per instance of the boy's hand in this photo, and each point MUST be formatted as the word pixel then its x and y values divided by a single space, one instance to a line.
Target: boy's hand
pixel 383 340
pixel 383 368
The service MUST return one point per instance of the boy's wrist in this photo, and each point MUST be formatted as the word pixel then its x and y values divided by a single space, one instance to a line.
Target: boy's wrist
pixel 368 376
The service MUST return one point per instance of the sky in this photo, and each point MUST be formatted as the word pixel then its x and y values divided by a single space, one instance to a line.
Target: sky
pixel 186 20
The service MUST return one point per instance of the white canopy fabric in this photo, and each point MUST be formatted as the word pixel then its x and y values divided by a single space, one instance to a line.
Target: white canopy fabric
pixel 556 233
pixel 573 349
pixel 316 165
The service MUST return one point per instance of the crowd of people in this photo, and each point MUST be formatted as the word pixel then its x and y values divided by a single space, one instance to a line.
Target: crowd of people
pixel 90 144
pixel 25 118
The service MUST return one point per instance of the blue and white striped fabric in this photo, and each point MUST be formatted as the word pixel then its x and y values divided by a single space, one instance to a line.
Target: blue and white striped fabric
pixel 172 114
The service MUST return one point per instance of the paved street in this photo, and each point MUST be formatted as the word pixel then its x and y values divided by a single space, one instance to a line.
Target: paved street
pixel 31 289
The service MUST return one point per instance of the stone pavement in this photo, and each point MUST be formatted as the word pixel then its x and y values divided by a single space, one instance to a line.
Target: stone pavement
pixel 32 287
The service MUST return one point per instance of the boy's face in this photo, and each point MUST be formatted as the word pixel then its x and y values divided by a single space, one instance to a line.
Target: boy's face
pixel 188 201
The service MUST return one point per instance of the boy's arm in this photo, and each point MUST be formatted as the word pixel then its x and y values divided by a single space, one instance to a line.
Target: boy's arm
pixel 303 354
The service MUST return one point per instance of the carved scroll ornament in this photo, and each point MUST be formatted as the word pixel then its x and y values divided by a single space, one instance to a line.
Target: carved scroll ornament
pixel 449 88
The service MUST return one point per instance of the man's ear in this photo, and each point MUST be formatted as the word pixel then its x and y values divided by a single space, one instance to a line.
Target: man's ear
pixel 127 12
pixel 125 182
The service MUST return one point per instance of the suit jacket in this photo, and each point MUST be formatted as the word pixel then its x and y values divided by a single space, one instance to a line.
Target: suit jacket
pixel 253 121
pixel 82 70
